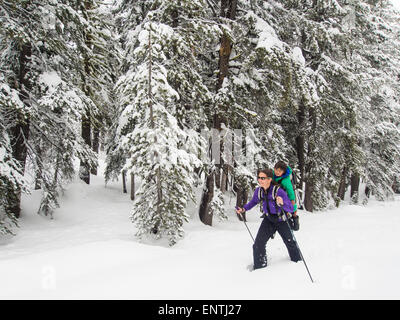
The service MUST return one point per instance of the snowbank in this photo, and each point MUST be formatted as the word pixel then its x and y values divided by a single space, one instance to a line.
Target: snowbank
pixel 89 252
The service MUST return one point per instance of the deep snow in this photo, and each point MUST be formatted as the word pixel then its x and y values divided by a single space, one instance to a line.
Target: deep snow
pixel 88 251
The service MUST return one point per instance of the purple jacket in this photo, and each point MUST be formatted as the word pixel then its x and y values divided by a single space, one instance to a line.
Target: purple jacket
pixel 274 209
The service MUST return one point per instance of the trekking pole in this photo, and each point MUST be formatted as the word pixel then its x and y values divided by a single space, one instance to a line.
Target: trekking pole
pixel 246 225
pixel 297 244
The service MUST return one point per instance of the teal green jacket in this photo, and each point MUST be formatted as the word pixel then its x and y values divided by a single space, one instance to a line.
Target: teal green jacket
pixel 286 183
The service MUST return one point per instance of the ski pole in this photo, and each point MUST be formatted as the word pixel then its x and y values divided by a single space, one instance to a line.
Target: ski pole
pixel 237 208
pixel 297 244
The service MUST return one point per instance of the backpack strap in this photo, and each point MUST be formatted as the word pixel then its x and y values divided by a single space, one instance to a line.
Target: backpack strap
pixel 275 191
pixel 274 194
pixel 262 196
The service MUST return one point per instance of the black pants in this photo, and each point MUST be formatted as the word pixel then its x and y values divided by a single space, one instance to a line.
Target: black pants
pixel 268 226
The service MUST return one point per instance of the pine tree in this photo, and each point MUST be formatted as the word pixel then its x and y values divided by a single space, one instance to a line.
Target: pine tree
pixel 256 110
pixel 12 181
pixel 270 85
pixel 16 46
pixel 158 150
pixel 219 112
pixel 42 65
pixel 376 62
pixel 322 93
pixel 91 35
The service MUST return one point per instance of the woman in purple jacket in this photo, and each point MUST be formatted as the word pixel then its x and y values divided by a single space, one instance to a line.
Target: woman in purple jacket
pixel 272 219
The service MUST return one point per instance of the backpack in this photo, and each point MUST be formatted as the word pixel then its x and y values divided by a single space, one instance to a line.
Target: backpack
pixel 293 221
pixel 262 194
pixel 293 182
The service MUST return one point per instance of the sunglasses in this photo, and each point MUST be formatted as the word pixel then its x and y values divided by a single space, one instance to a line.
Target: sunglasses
pixel 263 178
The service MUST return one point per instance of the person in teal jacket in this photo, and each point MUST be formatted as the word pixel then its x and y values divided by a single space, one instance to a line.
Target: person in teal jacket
pixel 282 173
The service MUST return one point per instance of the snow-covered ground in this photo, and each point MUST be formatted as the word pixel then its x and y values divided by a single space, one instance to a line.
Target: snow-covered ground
pixel 88 251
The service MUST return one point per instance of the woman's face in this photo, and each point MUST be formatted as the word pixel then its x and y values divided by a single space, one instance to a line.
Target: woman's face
pixel 263 180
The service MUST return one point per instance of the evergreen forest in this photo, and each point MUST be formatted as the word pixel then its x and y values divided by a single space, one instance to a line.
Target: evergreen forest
pixel 181 96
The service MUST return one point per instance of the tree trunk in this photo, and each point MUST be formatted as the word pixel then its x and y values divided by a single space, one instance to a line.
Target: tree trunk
pixel 132 186
pixel 206 198
pixel 224 178
pixel 354 187
pixel 84 171
pixel 342 185
pixel 39 169
pixel 300 140
pixel 152 126
pixel 308 176
pixel 175 15
pixel 19 133
pixel 228 10
pixel 124 182
pixel 241 199
pixel 224 54
pixel 367 191
pixel 308 201
pixel 95 147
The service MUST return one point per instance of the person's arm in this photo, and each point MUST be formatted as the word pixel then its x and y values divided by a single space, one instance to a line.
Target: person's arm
pixel 251 203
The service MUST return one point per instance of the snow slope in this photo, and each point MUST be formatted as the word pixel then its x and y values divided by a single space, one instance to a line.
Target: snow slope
pixel 88 251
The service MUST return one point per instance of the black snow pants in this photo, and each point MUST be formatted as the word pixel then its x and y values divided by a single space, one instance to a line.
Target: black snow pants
pixel 268 226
